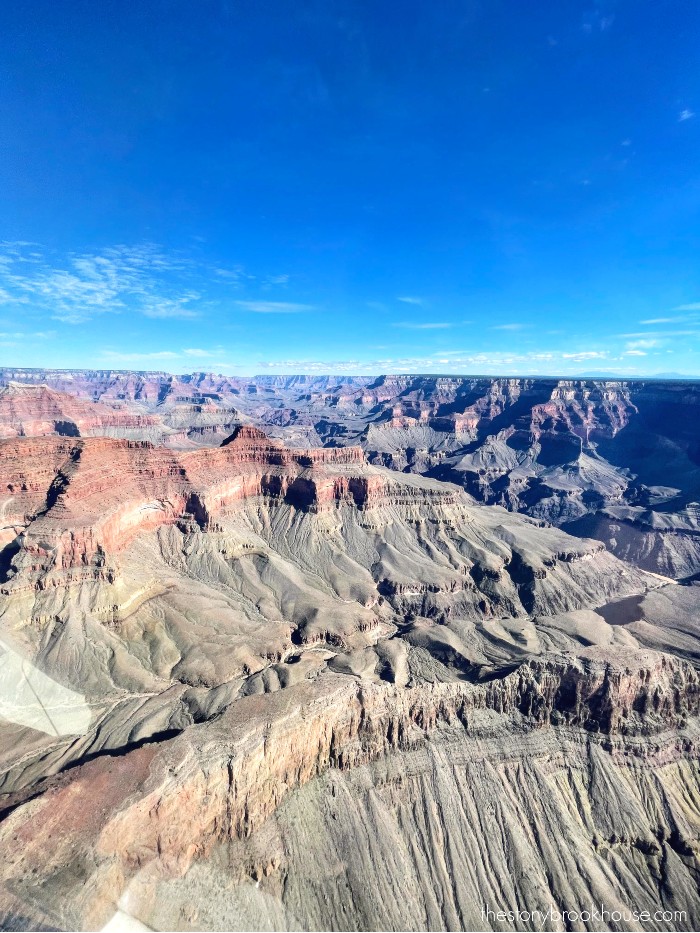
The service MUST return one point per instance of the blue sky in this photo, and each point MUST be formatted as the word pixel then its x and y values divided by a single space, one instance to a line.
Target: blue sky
pixel 245 187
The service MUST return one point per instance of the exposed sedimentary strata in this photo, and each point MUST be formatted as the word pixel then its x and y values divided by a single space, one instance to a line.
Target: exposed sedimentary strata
pixel 558 450
pixel 30 409
pixel 564 451
pixel 133 565
pixel 223 782
pixel 410 546
pixel 451 829
pixel 661 542
pixel 258 633
pixel 364 722
pixel 37 410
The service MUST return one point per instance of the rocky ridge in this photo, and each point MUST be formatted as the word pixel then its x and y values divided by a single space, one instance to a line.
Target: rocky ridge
pixel 256 683
pixel 229 778
pixel 563 451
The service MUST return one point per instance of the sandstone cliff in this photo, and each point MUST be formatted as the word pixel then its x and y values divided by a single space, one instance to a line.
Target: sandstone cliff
pixel 268 687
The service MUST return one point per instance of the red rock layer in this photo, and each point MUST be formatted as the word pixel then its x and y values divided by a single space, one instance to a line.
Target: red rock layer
pixel 83 499
pixel 37 410
pixel 464 406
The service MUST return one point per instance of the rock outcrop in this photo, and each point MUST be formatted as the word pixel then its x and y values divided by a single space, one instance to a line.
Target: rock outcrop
pixel 282 687
pixel 37 410
pixel 118 833
pixel 562 451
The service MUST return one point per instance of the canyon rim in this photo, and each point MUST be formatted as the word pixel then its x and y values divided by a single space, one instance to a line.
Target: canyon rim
pixel 316 653
pixel 350 466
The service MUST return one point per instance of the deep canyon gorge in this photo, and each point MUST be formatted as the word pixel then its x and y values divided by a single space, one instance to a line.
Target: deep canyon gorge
pixel 317 652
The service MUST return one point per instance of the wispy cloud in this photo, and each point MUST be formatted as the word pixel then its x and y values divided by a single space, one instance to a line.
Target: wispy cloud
pixel 140 278
pixel 21 338
pixel 116 356
pixel 7 298
pixel 676 319
pixel 143 279
pixel 508 326
pixel 685 114
pixel 24 335
pixel 426 325
pixel 644 334
pixel 644 343
pixel 689 314
pixel 597 21
pixel 540 361
pixel 410 299
pixel 172 307
pixel 274 307
pixel 231 275
pixel 202 353
pixel 186 356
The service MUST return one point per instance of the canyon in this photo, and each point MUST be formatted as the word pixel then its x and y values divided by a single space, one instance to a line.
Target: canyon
pixel 613 460
pixel 317 652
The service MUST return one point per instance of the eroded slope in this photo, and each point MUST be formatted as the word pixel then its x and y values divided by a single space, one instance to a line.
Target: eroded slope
pixel 235 638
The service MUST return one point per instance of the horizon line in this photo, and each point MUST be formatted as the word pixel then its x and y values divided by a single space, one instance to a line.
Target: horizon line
pixel 596 377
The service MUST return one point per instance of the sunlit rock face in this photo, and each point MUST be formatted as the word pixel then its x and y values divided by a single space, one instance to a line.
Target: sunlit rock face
pixel 263 686
pixel 34 410
pixel 617 461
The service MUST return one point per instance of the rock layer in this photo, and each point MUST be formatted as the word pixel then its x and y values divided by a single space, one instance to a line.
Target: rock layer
pixel 284 688
pixel 563 451
pixel 221 784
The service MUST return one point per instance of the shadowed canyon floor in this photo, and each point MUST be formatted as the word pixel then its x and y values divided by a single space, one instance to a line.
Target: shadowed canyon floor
pixel 250 682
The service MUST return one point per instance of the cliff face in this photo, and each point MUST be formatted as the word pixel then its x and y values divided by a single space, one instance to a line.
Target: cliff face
pixel 414 546
pixel 81 500
pixel 31 411
pixel 332 757
pixel 282 687
pixel 561 451
pixel 183 416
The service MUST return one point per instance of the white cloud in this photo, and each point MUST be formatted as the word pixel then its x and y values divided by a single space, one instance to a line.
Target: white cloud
pixel 140 278
pixel 410 299
pixel 541 361
pixel 428 325
pixel 634 353
pixel 645 334
pixel 232 275
pixel 6 298
pixel 666 320
pixel 274 307
pixel 685 115
pixel 596 21
pixel 643 344
pixel 508 326
pixel 23 335
pixel 690 314
pixel 117 357
pixel 172 307
pixel 195 352
pixel 185 356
